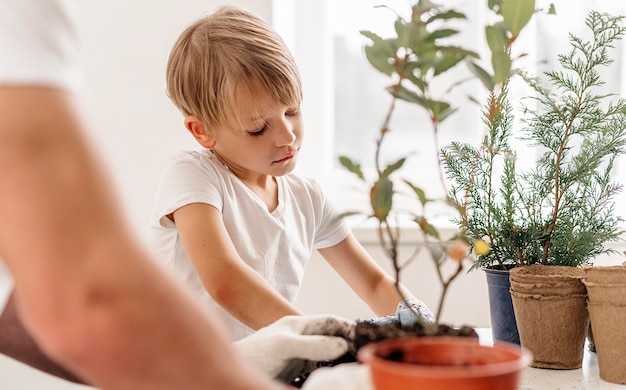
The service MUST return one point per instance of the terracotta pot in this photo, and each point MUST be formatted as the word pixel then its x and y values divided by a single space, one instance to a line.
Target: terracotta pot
pixel 441 362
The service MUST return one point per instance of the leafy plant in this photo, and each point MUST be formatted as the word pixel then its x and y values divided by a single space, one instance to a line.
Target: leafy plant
pixel 413 58
pixel 560 212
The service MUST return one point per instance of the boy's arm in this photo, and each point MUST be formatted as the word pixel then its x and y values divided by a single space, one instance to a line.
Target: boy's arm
pixel 366 278
pixel 228 279
pixel 84 288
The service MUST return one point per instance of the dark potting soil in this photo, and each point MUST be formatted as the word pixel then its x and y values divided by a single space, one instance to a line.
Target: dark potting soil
pixel 369 332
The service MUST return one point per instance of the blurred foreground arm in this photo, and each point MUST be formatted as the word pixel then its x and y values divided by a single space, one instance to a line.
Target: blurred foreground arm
pixel 16 343
pixel 85 289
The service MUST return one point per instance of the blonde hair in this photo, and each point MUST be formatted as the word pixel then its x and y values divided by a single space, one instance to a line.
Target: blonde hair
pixel 229 49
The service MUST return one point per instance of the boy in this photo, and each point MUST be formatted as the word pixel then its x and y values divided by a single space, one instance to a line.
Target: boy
pixel 232 220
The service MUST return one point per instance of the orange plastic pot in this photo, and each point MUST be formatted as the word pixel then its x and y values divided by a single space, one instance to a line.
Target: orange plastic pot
pixel 442 362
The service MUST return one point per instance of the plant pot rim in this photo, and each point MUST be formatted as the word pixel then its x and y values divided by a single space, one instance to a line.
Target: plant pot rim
pixel 520 357
pixel 603 285
pixel 547 296
pixel 489 269
pixel 612 304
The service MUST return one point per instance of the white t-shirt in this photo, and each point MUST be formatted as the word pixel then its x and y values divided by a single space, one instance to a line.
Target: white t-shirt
pixel 277 245
pixel 38 46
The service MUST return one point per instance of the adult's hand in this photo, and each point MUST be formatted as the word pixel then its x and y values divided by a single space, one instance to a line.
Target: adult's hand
pixel 293 345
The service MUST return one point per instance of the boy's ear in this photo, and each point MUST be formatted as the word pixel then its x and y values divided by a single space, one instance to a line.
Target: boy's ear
pixel 196 128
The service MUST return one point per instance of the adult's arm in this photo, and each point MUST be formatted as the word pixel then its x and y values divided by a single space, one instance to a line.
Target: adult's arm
pixel 85 289
pixel 16 342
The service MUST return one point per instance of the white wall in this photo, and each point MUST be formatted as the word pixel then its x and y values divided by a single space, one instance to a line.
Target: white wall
pixel 134 124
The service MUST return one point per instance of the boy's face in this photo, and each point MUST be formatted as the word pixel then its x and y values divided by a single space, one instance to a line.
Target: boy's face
pixel 268 143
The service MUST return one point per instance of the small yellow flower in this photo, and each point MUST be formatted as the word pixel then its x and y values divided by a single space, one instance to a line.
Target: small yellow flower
pixel 458 250
pixel 481 248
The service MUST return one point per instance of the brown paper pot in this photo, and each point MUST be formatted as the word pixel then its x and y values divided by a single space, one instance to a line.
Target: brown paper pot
pixel 613 274
pixel 562 288
pixel 606 293
pixel 550 274
pixel 553 328
pixel 610 340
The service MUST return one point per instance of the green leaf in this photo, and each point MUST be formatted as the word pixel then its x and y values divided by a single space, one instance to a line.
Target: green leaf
pixel 427 228
pixel 440 110
pixel 446 15
pixel 443 115
pixel 406 94
pixel 501 63
pixel 496 39
pixel 410 75
pixel 351 166
pixel 442 33
pixel 482 74
pixel 436 108
pixel 411 36
pixel 381 195
pixel 448 61
pixel 494 5
pixel 381 53
pixel 517 13
pixel 421 195
pixel 393 167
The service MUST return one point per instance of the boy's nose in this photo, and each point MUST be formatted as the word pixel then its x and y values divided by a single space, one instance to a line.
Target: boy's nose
pixel 286 134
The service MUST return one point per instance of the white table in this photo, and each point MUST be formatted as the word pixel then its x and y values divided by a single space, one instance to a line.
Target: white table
pixel 354 376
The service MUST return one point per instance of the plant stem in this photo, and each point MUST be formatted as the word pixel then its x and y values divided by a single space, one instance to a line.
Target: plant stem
pixel 444 291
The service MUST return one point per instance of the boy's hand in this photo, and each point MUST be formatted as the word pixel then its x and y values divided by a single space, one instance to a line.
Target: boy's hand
pixel 294 344
pixel 405 314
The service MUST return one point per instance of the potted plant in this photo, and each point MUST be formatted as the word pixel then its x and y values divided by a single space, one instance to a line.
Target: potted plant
pixel 413 59
pixel 501 222
pixel 558 213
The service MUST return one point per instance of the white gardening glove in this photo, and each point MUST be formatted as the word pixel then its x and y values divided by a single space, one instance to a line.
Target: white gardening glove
pixel 349 376
pixel 294 344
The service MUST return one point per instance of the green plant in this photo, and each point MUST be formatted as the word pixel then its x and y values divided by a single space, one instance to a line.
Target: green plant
pixel 413 58
pixel 560 212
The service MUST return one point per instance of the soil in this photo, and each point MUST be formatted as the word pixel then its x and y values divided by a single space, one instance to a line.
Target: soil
pixel 367 332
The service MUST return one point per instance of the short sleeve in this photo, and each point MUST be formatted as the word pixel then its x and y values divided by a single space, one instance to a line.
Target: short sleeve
pixel 332 228
pixel 39 43
pixel 187 177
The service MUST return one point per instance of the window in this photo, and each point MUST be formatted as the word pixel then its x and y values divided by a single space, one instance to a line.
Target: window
pixel 345 102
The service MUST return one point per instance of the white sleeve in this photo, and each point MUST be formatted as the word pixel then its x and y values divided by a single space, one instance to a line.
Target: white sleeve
pixel 332 229
pixel 185 178
pixel 39 43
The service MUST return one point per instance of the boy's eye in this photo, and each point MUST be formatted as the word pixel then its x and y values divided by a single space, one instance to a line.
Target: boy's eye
pixel 259 132
pixel 293 112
